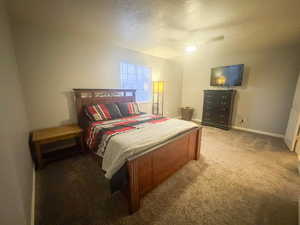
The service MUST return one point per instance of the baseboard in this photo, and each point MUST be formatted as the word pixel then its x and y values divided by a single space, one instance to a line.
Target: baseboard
pixel 258 132
pixel 32 219
pixel 250 130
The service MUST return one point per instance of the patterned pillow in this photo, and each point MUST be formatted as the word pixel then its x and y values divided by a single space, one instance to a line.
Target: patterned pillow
pixel 114 110
pixel 129 108
pixel 98 112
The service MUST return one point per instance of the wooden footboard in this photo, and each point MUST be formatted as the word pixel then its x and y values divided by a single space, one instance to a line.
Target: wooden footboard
pixel 149 170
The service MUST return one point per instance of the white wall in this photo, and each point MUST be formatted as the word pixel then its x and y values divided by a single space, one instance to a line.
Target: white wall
pixel 53 63
pixel 15 161
pixel 265 98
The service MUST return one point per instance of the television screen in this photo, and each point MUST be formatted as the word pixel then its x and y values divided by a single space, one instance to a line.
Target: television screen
pixel 227 75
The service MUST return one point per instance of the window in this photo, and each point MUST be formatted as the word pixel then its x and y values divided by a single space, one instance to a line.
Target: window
pixel 136 77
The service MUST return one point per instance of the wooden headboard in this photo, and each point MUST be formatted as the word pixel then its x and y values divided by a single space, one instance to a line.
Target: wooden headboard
pixel 85 97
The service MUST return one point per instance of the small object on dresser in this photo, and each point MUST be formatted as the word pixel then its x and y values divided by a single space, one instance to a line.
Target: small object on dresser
pixel 187 113
pixel 46 136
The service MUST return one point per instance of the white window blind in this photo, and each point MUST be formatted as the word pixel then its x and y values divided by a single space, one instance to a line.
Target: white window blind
pixel 136 77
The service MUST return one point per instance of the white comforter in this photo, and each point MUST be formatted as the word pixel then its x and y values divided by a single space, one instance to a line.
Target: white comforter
pixel 134 142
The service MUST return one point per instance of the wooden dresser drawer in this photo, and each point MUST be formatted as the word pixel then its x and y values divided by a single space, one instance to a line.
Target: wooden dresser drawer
pixel 211 101
pixel 222 119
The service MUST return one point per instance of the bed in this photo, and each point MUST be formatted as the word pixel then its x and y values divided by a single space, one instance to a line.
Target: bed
pixel 147 167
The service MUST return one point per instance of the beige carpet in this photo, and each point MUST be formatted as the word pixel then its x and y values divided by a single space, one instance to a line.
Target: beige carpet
pixel 241 179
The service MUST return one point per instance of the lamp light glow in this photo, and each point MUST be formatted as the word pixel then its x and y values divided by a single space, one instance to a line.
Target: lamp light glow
pixel 158 86
pixel 191 48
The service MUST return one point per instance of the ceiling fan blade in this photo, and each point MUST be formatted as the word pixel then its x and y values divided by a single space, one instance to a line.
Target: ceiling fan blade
pixel 214 39
pixel 218 38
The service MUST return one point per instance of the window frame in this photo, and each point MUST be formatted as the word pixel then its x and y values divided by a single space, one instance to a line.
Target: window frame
pixel 150 79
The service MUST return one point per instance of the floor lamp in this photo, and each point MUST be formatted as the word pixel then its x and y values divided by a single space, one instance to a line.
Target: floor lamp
pixel 158 97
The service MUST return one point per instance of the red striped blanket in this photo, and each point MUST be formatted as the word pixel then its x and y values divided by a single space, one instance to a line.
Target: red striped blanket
pixel 99 133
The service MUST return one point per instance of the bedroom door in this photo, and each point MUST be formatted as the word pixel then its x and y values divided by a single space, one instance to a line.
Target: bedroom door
pixel 293 128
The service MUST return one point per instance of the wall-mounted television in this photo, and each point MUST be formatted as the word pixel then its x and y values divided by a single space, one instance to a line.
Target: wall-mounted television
pixel 227 76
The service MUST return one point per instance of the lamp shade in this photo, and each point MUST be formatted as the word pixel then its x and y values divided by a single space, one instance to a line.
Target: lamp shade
pixel 158 86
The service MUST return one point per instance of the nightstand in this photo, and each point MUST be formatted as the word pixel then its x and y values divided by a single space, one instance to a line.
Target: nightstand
pixel 52 135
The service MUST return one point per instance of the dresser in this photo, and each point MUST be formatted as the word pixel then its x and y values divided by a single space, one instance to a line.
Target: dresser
pixel 217 108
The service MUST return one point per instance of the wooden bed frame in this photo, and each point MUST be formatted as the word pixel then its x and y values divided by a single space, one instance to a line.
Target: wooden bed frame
pixel 151 168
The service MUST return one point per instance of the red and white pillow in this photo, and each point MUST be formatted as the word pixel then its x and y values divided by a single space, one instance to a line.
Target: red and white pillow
pixel 98 112
pixel 129 108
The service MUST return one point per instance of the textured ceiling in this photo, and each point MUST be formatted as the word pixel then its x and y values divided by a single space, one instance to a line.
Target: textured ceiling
pixel 164 27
